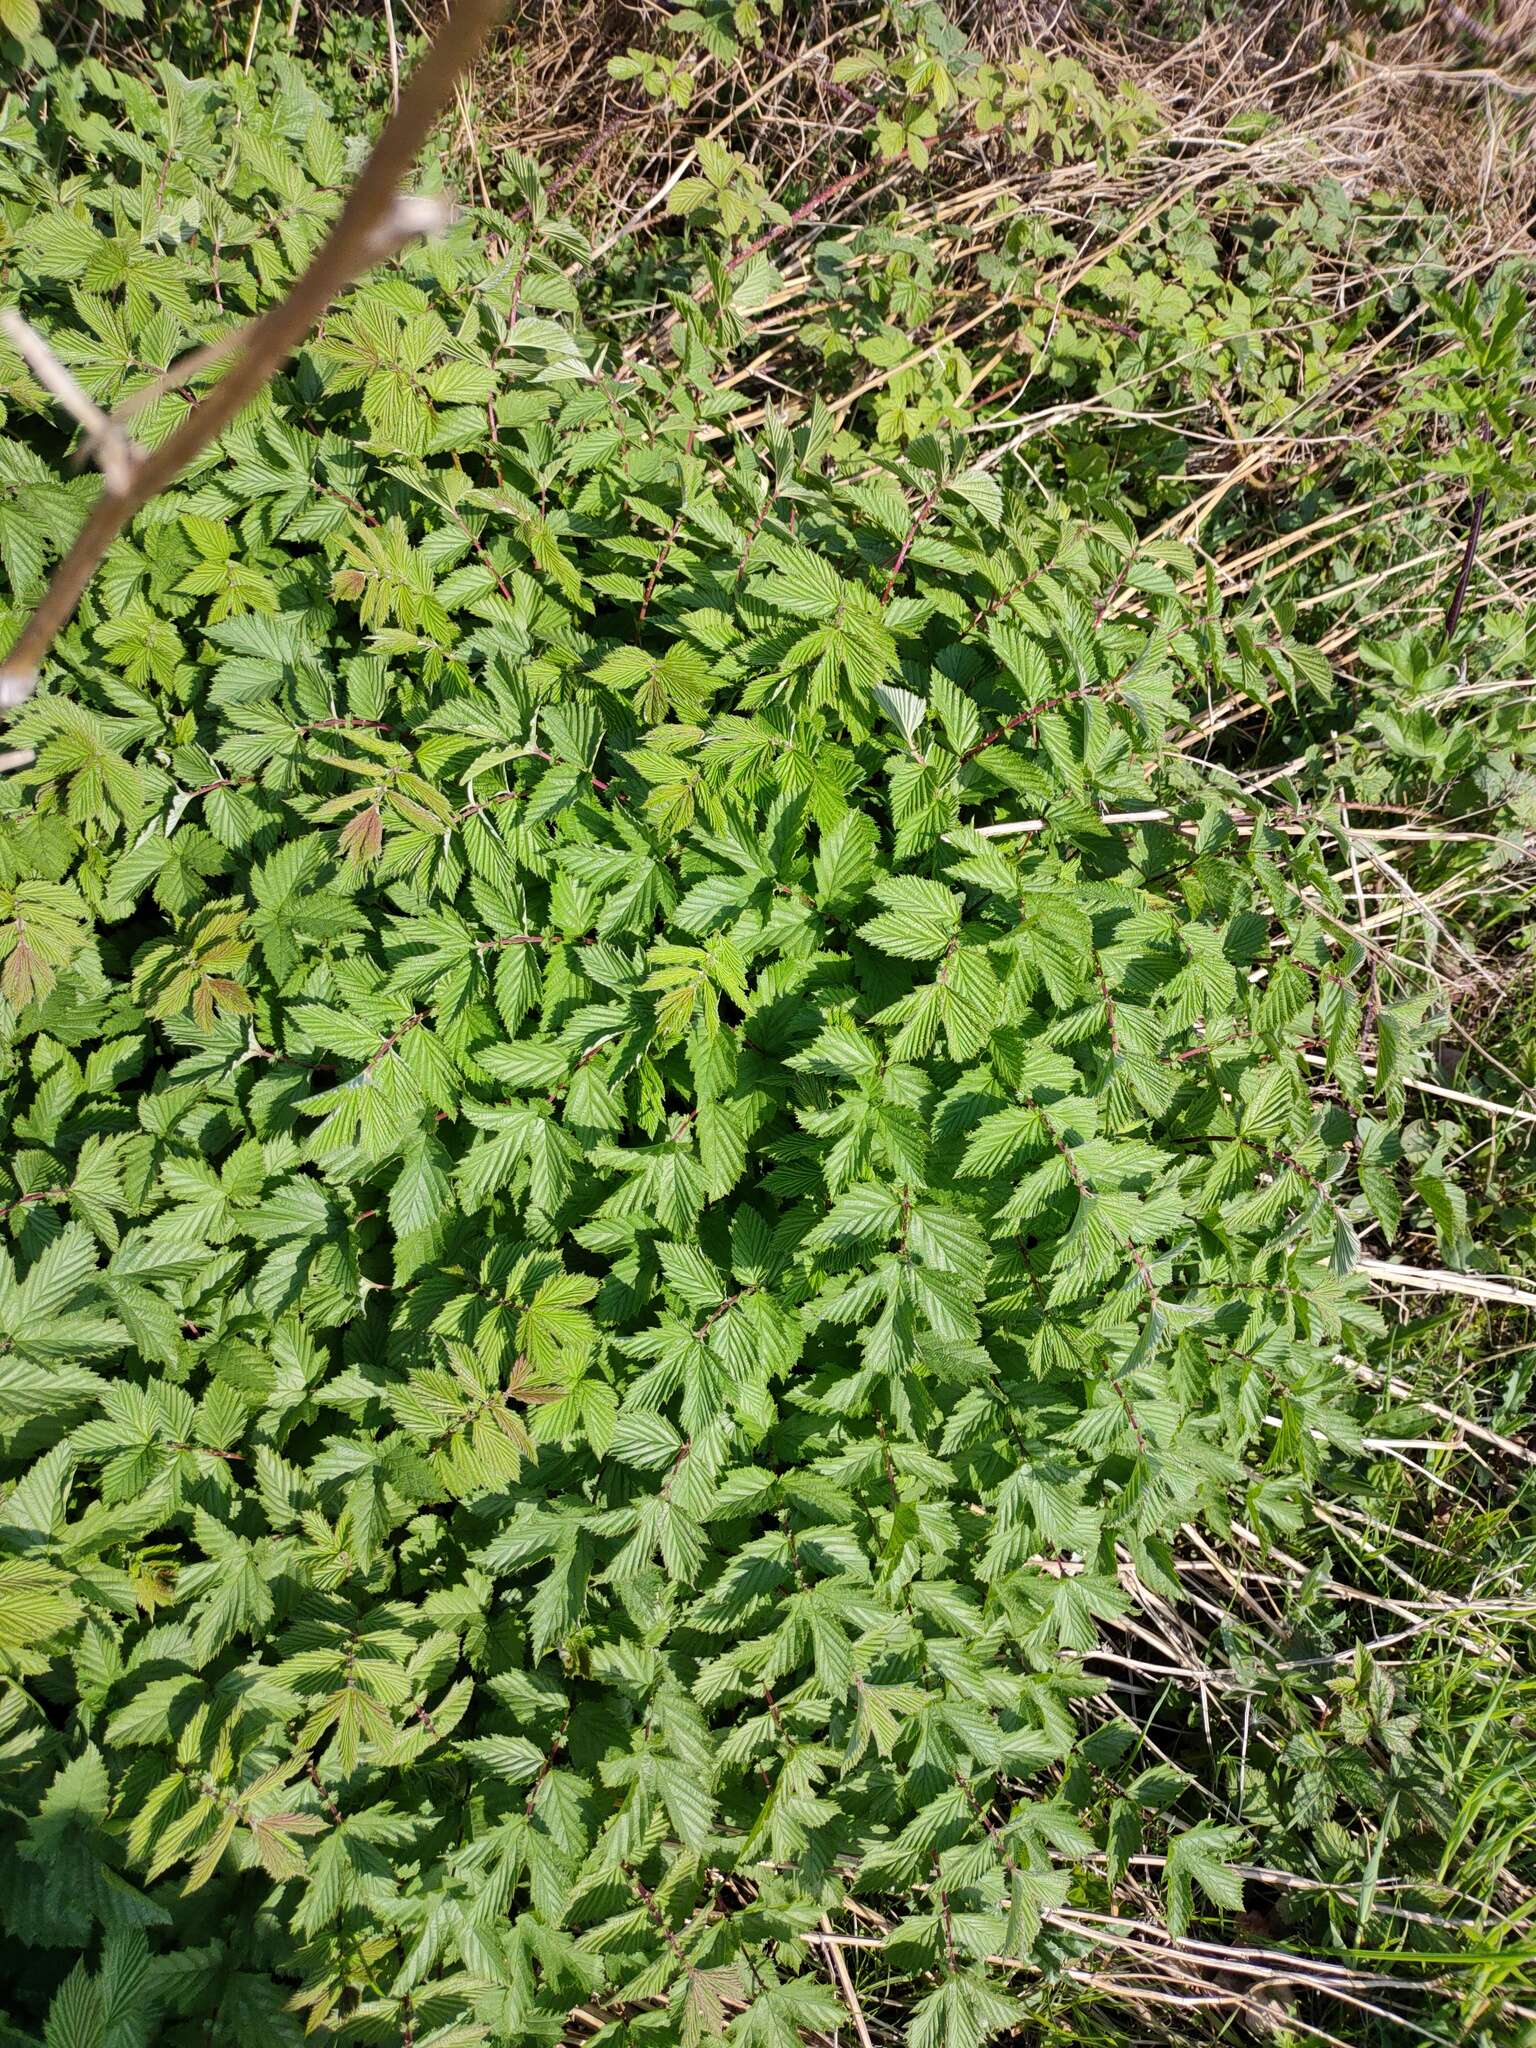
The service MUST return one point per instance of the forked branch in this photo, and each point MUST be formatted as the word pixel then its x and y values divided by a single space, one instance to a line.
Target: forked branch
pixel 101 436
pixel 372 225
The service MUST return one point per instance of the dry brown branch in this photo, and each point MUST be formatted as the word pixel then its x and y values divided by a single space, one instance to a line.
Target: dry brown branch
pixel 375 220
pixel 103 438
pixel 182 372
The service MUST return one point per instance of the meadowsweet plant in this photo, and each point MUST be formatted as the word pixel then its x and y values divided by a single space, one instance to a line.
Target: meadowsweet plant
pixel 657 1141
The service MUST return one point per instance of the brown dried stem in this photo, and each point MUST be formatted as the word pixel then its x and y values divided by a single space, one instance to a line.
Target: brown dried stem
pixel 103 438
pixel 373 223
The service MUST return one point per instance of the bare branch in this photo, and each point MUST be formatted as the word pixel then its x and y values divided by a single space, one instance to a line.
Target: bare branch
pixel 372 224
pixel 104 439
pixel 413 216
pixel 16 683
pixel 1440 1280
pixel 198 359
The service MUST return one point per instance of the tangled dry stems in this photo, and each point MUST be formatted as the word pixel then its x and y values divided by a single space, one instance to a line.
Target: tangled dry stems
pixel 1442 111
pixel 1439 115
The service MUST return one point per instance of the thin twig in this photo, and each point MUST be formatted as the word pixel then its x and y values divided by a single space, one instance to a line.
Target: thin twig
pixel 105 440
pixel 1453 616
pixel 180 373
pixel 1400 1390
pixel 394 55
pixel 1441 1280
pixel 844 1978
pixel 1458 1095
pixel 250 42
pixel 374 220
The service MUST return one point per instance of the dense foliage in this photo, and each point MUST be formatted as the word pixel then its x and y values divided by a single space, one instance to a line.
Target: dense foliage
pixel 661 1139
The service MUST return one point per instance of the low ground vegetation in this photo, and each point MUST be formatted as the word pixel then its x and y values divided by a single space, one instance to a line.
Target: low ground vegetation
pixel 768 1039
